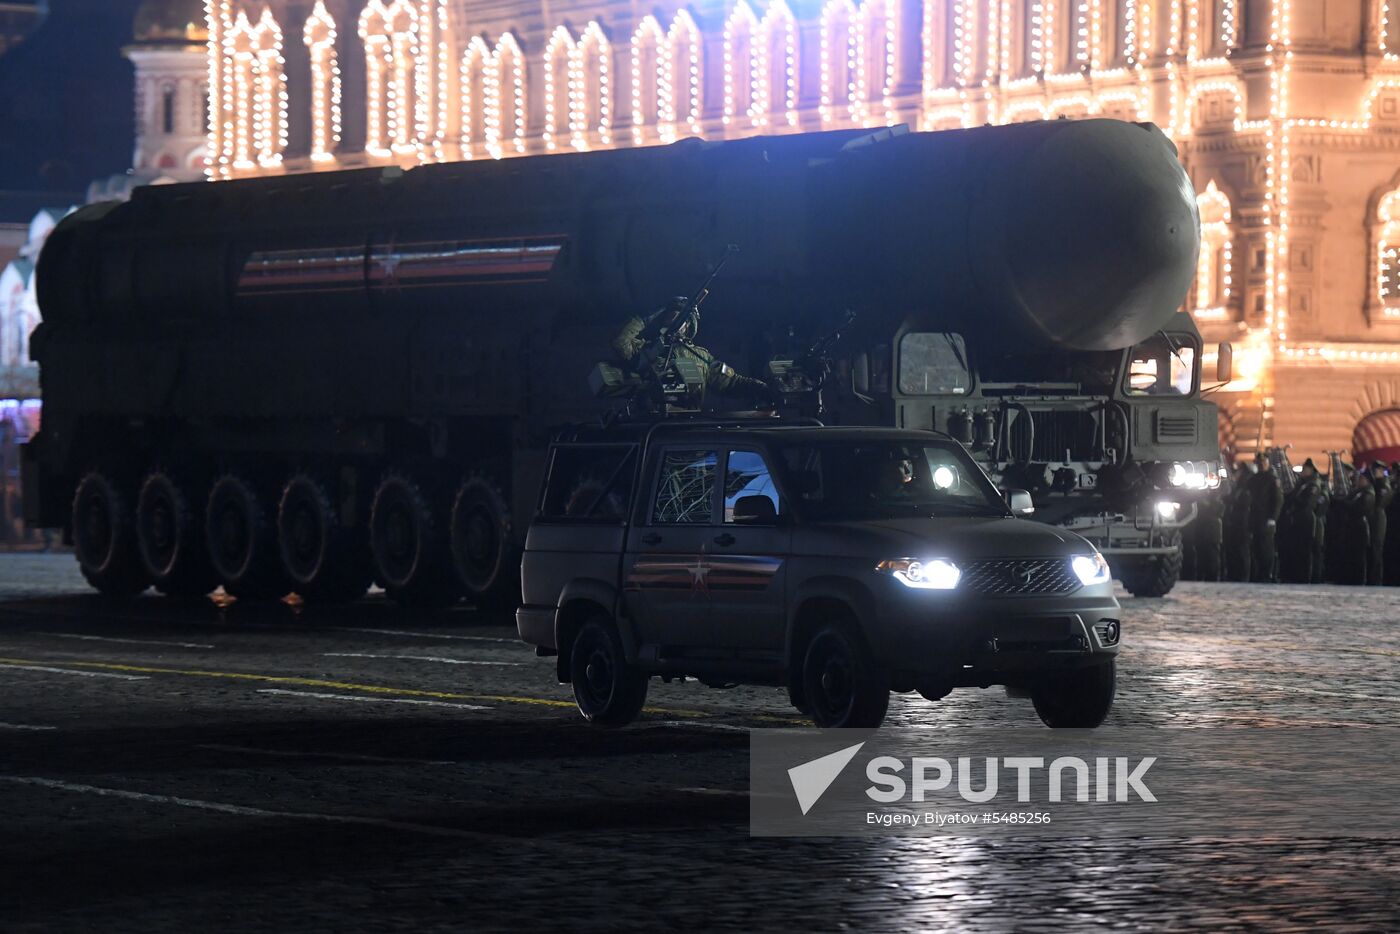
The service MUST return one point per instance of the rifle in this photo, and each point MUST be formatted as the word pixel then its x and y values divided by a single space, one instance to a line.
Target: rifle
pixel 692 305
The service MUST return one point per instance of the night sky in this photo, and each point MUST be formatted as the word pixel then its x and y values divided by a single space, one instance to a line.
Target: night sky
pixel 65 106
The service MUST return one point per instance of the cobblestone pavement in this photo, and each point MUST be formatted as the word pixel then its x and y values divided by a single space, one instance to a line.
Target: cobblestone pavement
pixel 176 767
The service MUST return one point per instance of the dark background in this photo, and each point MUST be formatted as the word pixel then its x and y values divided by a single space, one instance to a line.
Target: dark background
pixel 65 106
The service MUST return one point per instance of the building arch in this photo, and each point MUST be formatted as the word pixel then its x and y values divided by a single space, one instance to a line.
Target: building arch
pixel 1383 218
pixel 685 101
pixel 319 36
pixel 1377 436
pixel 258 92
pixel 476 61
pixel 651 85
pixel 838 67
pixel 876 47
pixel 558 79
pixel 591 104
pixel 740 53
pixel 777 76
pixel 1210 294
pixel 506 106
pixel 390 35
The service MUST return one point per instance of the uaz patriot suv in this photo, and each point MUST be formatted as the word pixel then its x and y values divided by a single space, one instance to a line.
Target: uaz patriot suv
pixel 842 563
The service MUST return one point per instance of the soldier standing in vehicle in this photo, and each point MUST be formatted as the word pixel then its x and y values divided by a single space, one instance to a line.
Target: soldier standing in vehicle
pixel 1266 501
pixel 666 341
pixel 1385 493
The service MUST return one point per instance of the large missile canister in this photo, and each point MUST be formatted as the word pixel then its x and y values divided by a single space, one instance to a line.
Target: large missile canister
pixel 1064 234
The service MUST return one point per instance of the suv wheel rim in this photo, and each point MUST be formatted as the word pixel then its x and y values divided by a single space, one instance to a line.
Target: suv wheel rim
pixel 598 676
pixel 834 671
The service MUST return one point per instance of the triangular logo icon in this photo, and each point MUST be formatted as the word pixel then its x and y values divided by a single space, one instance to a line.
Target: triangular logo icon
pixel 810 780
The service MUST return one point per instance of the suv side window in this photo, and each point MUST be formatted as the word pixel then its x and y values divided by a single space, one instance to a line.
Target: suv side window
pixel 589 482
pixel 685 488
pixel 748 479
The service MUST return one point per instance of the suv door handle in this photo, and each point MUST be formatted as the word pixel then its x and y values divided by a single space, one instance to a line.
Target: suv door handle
pixel 725 539
pixel 651 538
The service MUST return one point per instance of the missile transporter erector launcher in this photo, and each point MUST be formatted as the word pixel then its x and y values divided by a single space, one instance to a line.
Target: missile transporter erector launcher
pixel 307 383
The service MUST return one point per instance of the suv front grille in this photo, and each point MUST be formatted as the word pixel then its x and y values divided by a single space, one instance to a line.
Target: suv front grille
pixel 1016 576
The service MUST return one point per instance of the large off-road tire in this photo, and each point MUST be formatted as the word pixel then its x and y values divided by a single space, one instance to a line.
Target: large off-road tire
pixel 841 684
pixel 104 537
pixel 484 557
pixel 609 692
pixel 241 536
pixel 170 536
pixel 1152 576
pixel 408 539
pixel 1078 699
pixel 323 561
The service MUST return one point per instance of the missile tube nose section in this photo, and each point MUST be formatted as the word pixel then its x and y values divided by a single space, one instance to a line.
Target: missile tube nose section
pixel 1075 235
pixel 1103 239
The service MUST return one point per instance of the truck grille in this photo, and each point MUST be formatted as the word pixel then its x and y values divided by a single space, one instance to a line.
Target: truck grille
pixel 1178 429
pixel 1055 434
pixel 1016 576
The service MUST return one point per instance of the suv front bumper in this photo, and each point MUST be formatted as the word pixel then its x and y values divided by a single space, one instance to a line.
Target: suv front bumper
pixel 978 641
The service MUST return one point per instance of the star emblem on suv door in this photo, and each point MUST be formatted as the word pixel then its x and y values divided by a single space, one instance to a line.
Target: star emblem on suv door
pixel 699 572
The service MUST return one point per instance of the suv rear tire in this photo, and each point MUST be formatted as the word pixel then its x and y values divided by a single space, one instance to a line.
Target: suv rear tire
pixel 609 692
pixel 841 684
pixel 1078 699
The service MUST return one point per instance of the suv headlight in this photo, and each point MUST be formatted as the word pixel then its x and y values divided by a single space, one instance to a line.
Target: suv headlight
pixel 933 574
pixel 1091 569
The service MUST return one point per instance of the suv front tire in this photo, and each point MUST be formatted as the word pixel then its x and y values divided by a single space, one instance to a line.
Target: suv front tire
pixel 609 692
pixel 841 685
pixel 1079 699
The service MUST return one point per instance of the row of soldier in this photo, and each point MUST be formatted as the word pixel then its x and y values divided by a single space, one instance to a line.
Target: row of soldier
pixel 1268 523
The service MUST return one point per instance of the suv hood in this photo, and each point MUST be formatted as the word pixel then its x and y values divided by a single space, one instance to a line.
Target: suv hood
pixel 958 539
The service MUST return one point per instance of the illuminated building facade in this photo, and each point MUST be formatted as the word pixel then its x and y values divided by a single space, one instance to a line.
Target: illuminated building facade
pixel 1286 112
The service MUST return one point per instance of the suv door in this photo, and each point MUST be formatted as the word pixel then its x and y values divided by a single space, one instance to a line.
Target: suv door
pixel 748 557
pixel 665 575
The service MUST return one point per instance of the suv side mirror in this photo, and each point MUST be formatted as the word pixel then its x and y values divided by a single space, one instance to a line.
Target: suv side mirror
pixel 755 510
pixel 1224 363
pixel 1020 502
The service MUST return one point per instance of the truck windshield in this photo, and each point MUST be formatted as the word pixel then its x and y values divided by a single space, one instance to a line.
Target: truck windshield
pixel 1163 366
pixel 933 364
pixel 843 480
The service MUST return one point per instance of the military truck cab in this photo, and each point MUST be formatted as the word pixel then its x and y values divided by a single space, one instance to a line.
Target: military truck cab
pixel 842 563
pixel 1114 445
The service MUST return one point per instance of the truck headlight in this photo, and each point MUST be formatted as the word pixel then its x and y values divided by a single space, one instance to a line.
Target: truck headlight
pixel 1176 474
pixel 1090 569
pixel 1168 510
pixel 933 574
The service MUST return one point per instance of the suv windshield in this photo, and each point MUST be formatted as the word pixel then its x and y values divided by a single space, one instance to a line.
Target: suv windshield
pixel 843 480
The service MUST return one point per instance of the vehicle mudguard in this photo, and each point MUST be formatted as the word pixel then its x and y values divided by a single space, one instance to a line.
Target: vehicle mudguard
pixel 604 594
pixel 852 593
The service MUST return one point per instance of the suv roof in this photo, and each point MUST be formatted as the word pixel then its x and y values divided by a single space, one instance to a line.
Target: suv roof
pixel 799 431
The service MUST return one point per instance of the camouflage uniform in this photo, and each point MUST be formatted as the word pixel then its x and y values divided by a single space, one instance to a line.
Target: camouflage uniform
pixel 716 375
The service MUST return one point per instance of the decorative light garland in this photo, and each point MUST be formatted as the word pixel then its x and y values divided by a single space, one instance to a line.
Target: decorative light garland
pixel 740 31
pixel 1388 254
pixel 774 60
pixel 320 37
pixel 1212 279
pixel 589 85
pixel 683 56
pixel 558 56
pixel 475 94
pixel 651 84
